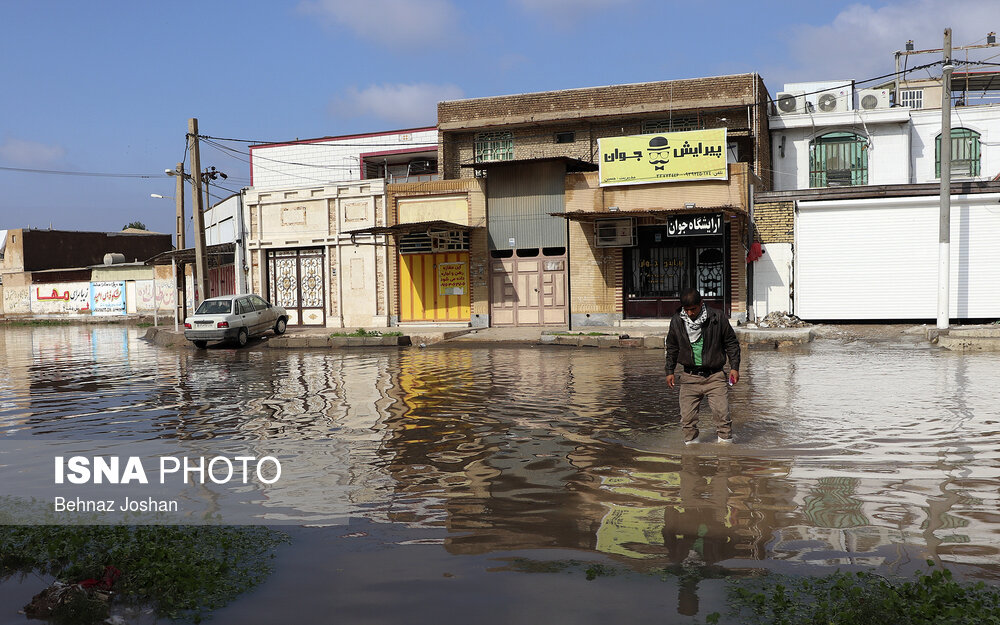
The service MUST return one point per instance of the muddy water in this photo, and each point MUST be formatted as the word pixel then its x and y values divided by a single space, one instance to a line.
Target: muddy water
pixel 483 483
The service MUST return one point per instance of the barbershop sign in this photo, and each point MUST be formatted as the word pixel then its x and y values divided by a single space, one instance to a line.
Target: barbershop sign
pixel 691 225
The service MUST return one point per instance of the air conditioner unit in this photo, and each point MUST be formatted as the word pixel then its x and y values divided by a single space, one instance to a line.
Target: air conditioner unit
pixel 614 232
pixel 871 99
pixel 790 103
pixel 834 101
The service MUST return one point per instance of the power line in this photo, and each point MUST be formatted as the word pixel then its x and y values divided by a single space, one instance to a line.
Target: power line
pixel 78 173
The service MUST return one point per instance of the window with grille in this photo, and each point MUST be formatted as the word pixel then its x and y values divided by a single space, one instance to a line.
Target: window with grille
pixel 436 241
pixel 838 159
pixel 685 122
pixel 965 153
pixel 494 146
pixel 913 98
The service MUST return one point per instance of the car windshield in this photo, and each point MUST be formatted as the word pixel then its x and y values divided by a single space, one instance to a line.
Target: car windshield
pixel 215 307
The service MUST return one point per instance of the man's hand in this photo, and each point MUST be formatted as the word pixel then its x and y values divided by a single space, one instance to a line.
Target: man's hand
pixel 670 380
pixel 734 376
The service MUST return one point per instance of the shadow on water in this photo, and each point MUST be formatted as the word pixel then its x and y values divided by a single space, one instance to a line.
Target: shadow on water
pixel 460 461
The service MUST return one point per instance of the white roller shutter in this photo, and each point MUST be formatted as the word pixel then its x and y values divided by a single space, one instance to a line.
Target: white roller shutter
pixel 877 259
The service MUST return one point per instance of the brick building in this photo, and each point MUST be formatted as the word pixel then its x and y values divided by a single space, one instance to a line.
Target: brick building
pixel 539 154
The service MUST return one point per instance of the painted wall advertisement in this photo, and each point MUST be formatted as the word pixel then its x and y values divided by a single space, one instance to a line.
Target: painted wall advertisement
pixel 107 298
pixel 453 279
pixel 663 157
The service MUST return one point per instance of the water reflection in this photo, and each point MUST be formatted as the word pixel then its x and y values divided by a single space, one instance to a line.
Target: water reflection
pixel 862 454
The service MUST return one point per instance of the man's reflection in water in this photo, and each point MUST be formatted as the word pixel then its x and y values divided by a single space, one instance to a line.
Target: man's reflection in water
pixel 698 531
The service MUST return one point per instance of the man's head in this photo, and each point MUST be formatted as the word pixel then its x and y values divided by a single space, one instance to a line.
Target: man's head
pixel 691 302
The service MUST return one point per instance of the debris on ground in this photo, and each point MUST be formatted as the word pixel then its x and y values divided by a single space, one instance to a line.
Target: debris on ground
pixel 83 602
pixel 781 319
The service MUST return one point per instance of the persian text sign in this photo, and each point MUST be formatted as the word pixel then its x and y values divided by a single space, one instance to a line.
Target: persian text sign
pixel 663 157
pixel 107 298
pixel 688 225
pixel 452 279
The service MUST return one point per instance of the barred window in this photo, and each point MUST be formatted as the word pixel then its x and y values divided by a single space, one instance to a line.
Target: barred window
pixel 913 98
pixel 684 122
pixel 965 153
pixel 494 146
pixel 838 159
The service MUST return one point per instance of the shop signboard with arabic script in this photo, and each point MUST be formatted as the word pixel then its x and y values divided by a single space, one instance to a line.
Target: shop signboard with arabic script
pixel 693 225
pixel 107 298
pixel 663 157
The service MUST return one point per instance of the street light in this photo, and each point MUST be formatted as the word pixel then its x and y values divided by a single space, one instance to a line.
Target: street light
pixel 161 197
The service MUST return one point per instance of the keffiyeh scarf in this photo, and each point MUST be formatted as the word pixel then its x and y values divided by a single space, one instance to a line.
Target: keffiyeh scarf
pixel 694 327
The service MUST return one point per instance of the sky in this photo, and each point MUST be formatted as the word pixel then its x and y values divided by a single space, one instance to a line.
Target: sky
pixel 102 91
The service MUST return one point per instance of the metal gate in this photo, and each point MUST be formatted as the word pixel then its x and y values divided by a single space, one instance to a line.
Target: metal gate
pixel 528 291
pixel 296 281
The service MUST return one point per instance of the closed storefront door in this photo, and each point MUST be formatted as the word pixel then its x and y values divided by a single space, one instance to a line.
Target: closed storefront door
pixel 528 288
pixel 296 282
pixel 661 266
pixel 434 287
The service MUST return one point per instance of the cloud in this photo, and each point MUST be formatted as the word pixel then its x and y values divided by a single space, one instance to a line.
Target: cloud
pixel 414 104
pixel 30 153
pixel 392 22
pixel 861 40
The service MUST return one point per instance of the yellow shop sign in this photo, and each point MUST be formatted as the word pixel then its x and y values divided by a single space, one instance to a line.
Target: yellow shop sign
pixel 663 157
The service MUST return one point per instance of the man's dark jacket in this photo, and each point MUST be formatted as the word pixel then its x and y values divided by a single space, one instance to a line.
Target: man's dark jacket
pixel 717 335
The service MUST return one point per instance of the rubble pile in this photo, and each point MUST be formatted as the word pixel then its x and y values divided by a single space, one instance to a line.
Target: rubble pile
pixel 781 319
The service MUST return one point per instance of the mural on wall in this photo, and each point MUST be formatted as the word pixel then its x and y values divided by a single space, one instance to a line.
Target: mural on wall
pixel 16 299
pixel 60 298
pixel 107 298
pixel 152 295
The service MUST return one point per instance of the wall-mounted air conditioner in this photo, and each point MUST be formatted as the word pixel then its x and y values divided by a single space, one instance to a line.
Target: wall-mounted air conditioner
pixel 834 101
pixel 615 232
pixel 871 99
pixel 789 103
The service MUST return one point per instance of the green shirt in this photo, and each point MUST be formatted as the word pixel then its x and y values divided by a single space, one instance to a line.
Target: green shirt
pixel 696 350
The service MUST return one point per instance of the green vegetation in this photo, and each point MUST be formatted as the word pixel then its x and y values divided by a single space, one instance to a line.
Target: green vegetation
pixel 38 322
pixel 933 598
pixel 138 225
pixel 583 333
pixel 181 571
pixel 361 332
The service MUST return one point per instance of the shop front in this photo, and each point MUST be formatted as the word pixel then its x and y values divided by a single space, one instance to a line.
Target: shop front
pixel 688 251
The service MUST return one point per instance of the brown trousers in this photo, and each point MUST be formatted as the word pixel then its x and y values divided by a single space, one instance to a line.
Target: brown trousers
pixel 692 389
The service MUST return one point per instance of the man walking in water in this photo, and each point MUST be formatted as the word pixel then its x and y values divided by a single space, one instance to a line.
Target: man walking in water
pixel 700 339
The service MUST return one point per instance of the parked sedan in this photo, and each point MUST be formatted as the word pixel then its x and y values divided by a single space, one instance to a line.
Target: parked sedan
pixel 233 317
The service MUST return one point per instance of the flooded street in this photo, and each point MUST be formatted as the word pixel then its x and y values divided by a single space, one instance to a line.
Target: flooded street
pixel 488 484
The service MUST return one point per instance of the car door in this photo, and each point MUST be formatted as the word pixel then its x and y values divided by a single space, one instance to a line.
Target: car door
pixel 268 315
pixel 248 316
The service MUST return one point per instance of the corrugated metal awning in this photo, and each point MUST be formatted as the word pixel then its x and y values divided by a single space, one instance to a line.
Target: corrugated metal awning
pixel 653 212
pixel 417 226
pixel 187 254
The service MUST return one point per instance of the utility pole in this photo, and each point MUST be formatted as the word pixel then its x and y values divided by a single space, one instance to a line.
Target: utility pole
pixel 944 228
pixel 181 299
pixel 200 264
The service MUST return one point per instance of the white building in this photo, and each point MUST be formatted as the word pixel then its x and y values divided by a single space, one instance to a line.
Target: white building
pixel 306 199
pixel 862 179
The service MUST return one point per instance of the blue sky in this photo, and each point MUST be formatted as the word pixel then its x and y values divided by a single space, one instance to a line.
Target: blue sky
pixel 108 86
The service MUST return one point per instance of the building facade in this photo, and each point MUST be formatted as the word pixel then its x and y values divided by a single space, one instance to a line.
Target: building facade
pixel 552 261
pixel 857 180
pixel 305 212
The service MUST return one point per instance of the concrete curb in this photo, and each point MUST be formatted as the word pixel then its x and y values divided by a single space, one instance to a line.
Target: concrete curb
pixel 316 341
pixel 775 336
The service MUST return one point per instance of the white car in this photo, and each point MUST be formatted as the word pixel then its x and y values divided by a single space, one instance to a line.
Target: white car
pixel 234 317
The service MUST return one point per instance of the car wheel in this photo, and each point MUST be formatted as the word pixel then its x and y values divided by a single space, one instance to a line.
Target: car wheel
pixel 279 326
pixel 201 344
pixel 242 337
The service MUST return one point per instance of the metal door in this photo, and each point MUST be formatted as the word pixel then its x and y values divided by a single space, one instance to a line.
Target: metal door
pixel 528 291
pixel 296 282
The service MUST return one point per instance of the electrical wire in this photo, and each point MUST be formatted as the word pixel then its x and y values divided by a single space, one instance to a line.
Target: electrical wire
pixel 78 173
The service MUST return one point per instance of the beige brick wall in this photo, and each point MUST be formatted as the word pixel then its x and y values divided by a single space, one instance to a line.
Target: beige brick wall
pixel 595 274
pixel 775 222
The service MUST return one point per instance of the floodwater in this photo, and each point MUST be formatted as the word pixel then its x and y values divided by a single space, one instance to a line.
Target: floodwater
pixel 481 484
